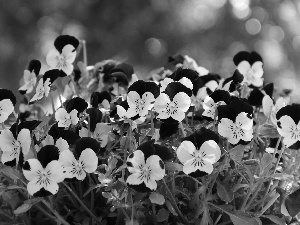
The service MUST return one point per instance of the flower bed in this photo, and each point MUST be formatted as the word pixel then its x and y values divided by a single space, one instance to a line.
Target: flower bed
pixel 183 147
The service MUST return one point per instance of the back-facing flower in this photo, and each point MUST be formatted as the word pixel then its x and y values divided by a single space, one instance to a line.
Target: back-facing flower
pixel 42 89
pixel 30 76
pixel 65 119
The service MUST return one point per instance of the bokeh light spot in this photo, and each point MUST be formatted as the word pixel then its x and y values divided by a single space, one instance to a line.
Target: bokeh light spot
pixel 253 26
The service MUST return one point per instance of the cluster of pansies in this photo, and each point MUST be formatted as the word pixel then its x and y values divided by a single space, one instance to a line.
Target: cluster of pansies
pixel 183 117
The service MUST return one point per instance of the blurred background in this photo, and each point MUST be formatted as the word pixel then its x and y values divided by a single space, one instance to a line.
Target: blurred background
pixel 145 33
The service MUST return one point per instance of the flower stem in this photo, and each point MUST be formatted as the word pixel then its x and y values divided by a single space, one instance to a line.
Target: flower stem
pixel 59 217
pixel 182 129
pixel 154 214
pixel 152 123
pixel 81 203
pixel 84 53
pixel 174 203
pixel 52 102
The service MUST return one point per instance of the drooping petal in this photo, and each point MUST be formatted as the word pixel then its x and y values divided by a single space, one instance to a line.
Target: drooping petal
pixel 35 166
pixel 25 140
pixel 83 132
pixel 258 82
pixel 47 85
pixel 185 151
pixel 74 118
pixel 156 166
pixel 7 141
pixel 88 160
pixel 134 179
pixel 151 184
pixel 6 108
pixel 179 116
pixel 8 156
pixel 39 94
pixel 267 104
pixel 56 169
pixel 131 112
pixel 68 69
pixel 243 67
pixel 121 112
pixel 62 145
pixel 52 58
pixel 48 140
pixel 137 159
pixel 212 151
pixel 52 187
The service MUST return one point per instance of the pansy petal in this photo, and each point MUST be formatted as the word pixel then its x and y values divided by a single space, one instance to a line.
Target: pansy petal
pixel 7 141
pixel 243 67
pixel 69 53
pixel 62 145
pixel 48 140
pixel 34 186
pixel 183 101
pixel 257 82
pixel 8 156
pixel 132 98
pixel 56 169
pixel 287 130
pixel 74 118
pixel 186 82
pixel 131 112
pixel 51 58
pixel 185 151
pixel 62 117
pixel 211 150
pixel 156 166
pixel 136 159
pixel 224 127
pixel 243 121
pixel 258 69
pixel 191 166
pixel 88 160
pixel 68 69
pixel 31 173
pixel 83 132
pixel 164 83
pixel 179 115
pixel 52 187
pixel 25 140
pixel 151 184
pixel 267 104
pixel 134 179
pixel 6 108
pixel 121 112
pixel 67 158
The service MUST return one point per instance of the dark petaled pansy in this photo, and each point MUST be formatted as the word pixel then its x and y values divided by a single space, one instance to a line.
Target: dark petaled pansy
pixel 103 98
pixel 249 64
pixel 63 40
pixel 95 116
pixel 288 125
pixel 35 66
pixel 211 103
pixel 7 94
pixel 146 166
pixel 168 128
pixel 76 103
pixel 255 98
pixel 198 152
pixel 86 142
pixel 44 173
pixel 124 68
pixel 236 122
pixel 67 135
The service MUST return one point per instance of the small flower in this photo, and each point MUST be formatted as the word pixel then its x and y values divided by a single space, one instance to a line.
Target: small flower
pixel 241 129
pixel 198 159
pixel 87 163
pixel 41 90
pixel 139 105
pixel 12 147
pixel 190 63
pixel 62 61
pixel 44 173
pixel 61 143
pixel 145 172
pixel 250 66
pixel 65 119
pixel 175 108
pixel 30 81
pixel 185 81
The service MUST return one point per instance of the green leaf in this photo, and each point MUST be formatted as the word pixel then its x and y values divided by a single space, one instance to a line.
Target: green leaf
pixel 174 167
pixel 171 208
pixel 162 215
pixel 266 163
pixel 157 198
pixel 275 219
pixel 26 205
pixel 224 192
pixel 237 153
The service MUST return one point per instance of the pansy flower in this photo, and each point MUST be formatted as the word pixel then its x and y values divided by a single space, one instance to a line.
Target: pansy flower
pixel 199 152
pixel 61 143
pixel 288 125
pixel 30 76
pixel 190 63
pixel 7 103
pixel 101 100
pixel 249 65
pixel 270 109
pixel 140 98
pixel 64 55
pixel 42 89
pixel 65 119
pixel 86 163
pixel 76 103
pixel 69 136
pixel 257 95
pixel 174 103
pixel 100 133
pixel 12 147
pixel 44 173
pixel 236 122
pixel 146 166
pixel 210 104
